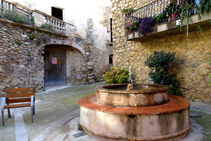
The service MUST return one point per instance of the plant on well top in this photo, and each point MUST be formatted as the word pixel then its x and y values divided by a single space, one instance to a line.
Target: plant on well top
pixel 158 62
pixel 116 76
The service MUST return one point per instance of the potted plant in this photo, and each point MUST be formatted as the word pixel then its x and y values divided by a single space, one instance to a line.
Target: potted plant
pixel 178 12
pixel 131 27
pixel 170 10
pixel 162 17
pixel 165 16
pixel 146 26
pixel 127 11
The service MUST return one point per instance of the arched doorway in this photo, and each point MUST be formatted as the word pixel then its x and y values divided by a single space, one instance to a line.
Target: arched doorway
pixel 55 66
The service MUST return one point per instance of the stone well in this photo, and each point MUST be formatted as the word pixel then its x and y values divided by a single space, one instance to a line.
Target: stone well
pixel 167 117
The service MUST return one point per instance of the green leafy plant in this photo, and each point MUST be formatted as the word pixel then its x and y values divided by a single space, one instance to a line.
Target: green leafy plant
pixel 47 26
pixel 209 59
pixel 29 54
pixel 32 20
pixel 173 89
pixel 39 41
pixel 116 76
pixel 170 8
pixel 186 15
pixel 203 7
pixel 127 10
pixel 15 17
pixel 19 43
pixel 158 62
pixel 32 36
pixel 157 18
pixel 132 26
pixel 80 128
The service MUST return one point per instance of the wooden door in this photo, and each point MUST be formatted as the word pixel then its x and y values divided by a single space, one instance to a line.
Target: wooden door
pixel 55 66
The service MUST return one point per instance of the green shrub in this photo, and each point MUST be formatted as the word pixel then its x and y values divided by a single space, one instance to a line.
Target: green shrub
pixel 32 20
pixel 116 76
pixel 39 41
pixel 209 59
pixel 47 26
pixel 29 54
pixel 32 36
pixel 19 43
pixel 15 17
pixel 158 63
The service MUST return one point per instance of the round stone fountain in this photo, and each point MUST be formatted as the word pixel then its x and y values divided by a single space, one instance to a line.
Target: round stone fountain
pixel 145 113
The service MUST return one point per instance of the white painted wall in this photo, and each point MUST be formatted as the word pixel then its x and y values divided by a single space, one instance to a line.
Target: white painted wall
pixel 77 12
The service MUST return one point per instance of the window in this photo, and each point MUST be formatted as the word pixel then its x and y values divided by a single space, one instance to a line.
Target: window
pixel 111 29
pixel 56 12
pixel 110 60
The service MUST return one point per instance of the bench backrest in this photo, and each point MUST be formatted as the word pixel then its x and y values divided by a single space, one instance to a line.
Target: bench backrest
pixel 19 95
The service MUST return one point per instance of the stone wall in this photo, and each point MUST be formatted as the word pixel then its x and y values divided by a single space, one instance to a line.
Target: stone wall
pixel 22 61
pixel 97 64
pixel 191 69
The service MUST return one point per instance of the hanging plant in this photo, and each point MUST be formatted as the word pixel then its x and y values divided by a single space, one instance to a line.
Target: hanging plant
pixel 186 15
pixel 203 7
pixel 146 26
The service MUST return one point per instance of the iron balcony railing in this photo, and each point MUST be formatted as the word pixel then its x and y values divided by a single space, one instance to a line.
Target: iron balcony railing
pixel 155 8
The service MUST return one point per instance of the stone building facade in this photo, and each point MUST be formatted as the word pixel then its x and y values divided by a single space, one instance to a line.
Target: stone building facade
pixel 86 49
pixel 191 69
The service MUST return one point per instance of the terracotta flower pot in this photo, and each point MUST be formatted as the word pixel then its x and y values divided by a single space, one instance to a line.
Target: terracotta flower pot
pixel 172 16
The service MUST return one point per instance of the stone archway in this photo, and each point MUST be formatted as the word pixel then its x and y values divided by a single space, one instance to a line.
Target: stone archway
pixel 59 66
pixel 67 42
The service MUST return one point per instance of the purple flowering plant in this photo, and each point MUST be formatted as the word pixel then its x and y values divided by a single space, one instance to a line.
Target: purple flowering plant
pixel 146 26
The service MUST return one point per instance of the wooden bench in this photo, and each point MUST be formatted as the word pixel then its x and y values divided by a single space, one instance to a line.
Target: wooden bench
pixel 18 98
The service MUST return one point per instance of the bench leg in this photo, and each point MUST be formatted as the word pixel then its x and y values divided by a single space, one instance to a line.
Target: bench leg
pixel 34 110
pixel 9 116
pixel 2 115
pixel 32 114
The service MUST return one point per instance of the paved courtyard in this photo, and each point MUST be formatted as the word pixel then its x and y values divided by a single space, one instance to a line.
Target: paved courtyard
pixel 57 115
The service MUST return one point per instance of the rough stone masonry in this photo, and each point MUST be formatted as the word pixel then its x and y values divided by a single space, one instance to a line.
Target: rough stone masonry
pixel 22 60
pixel 191 69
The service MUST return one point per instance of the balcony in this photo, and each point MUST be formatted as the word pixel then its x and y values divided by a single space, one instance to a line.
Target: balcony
pixel 167 24
pixel 34 18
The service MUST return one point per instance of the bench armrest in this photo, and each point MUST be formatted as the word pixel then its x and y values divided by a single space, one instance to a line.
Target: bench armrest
pixel 2 103
pixel 32 100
